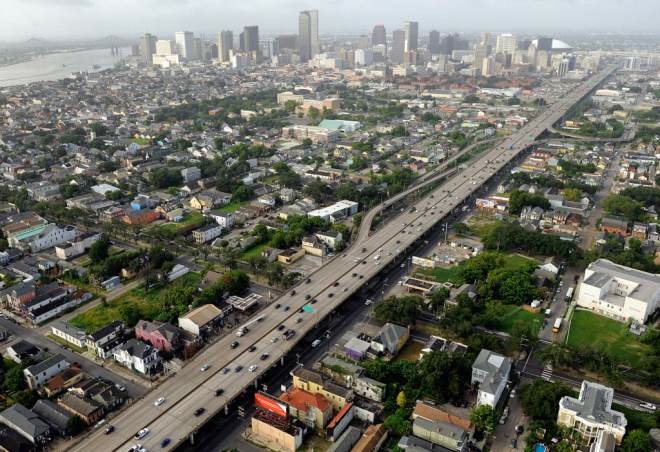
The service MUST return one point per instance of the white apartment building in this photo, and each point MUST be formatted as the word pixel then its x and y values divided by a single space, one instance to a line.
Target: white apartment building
pixel 619 292
pixel 38 374
pixel 591 413
pixel 207 233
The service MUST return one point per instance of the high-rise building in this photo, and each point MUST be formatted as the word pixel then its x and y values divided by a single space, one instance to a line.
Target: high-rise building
pixel 185 44
pixel 379 35
pixel 563 68
pixel 249 39
pixel 165 47
pixel 506 43
pixel 225 44
pixel 488 66
pixel 398 46
pixel 148 47
pixel 481 52
pixel 411 30
pixel 434 42
pixel 308 35
pixel 285 42
pixel 198 53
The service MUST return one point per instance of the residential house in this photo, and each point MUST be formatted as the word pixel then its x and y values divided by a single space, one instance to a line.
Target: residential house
pixel 225 220
pixel 446 435
pixel 369 388
pixel 88 410
pixel 103 392
pixel 314 383
pixel 104 335
pixel 640 230
pixel 207 233
pixel 391 339
pixel 38 374
pixel 64 380
pixel 614 226
pixel 491 372
pixel 333 239
pixel 313 246
pixel 162 336
pixel 141 217
pixel 592 413
pixel 23 350
pixel 290 256
pixel 209 199
pixel 136 355
pixel 69 333
pixel 619 292
pixel 440 344
pixel 56 417
pixel 372 439
pixel 26 422
pixel 190 174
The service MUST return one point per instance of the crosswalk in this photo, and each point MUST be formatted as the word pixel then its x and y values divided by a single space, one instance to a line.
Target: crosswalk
pixel 547 371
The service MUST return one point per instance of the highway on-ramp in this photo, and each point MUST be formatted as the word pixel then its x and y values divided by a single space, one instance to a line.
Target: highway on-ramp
pixel 192 388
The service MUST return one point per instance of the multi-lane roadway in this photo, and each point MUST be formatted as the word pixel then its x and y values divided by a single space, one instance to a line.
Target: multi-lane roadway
pixel 193 389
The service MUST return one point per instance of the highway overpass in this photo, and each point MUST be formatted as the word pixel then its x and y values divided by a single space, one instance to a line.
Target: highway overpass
pixel 326 289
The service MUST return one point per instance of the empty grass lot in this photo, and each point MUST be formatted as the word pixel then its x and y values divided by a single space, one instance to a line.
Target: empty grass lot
pixel 588 329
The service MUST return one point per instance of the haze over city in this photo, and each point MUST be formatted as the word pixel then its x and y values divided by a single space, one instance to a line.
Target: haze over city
pixel 69 19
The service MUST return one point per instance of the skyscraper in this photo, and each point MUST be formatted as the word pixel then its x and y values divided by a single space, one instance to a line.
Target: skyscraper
pixel 225 44
pixel 434 42
pixel 379 36
pixel 506 43
pixel 398 46
pixel 185 44
pixel 148 47
pixel 250 39
pixel 481 52
pixel 308 35
pixel 411 30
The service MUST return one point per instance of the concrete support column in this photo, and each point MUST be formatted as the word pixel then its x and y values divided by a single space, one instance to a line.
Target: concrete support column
pixel 191 438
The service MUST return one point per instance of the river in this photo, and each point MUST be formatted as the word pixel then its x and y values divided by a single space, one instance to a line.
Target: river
pixel 56 66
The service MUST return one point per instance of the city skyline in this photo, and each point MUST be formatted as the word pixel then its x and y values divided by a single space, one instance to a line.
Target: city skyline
pixel 79 19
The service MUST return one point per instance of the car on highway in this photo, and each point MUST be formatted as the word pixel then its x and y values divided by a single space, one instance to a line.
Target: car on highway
pixel 286 308
pixel 280 327
pixel 367 302
pixel 330 295
pixel 120 387
pixel 252 368
pixel 293 292
pixel 314 300
pixel 238 368
pixel 226 370
pixel 308 296
pixel 159 401
pixel 298 320
pixel 142 433
pixel 278 306
pixel 288 334
pixel 219 392
pixel 199 411
pixel 234 344
pixel 336 283
pixel 648 406
pixel 165 442
pixel 251 348
pixel 264 356
pixel 308 280
pixel 316 343
pixel 109 429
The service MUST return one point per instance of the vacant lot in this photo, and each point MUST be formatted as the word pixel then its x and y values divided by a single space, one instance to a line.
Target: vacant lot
pixel 149 303
pixel 588 329
pixel 514 314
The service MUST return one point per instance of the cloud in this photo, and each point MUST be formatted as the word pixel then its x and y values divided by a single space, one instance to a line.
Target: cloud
pixel 57 3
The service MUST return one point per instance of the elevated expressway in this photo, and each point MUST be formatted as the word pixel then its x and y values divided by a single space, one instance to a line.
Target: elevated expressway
pixel 329 286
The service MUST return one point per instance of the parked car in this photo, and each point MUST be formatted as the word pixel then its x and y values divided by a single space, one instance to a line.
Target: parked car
pixel 109 429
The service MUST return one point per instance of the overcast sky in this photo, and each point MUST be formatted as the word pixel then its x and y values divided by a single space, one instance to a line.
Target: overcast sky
pixel 56 19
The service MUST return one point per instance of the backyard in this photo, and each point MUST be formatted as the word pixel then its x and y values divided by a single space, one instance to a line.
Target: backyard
pixel 513 314
pixel 589 329
pixel 149 303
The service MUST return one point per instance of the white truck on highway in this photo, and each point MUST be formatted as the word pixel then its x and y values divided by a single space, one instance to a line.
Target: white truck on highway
pixel 244 329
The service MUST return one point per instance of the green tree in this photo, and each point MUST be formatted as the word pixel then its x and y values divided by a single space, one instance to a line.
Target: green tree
pixel 99 129
pixel 130 314
pixel 541 400
pixel 14 379
pixel 313 113
pixel 401 399
pixel 617 204
pixel 75 425
pixel 26 398
pixel 572 194
pixel 398 309
pixel 98 252
pixel 398 423
pixel 484 418
pixel 636 441
pixel 444 376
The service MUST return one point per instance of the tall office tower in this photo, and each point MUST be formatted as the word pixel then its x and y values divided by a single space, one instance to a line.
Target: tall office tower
pixel 379 36
pixel 165 47
pixel 185 44
pixel 398 46
pixel 148 47
pixel 198 54
pixel 563 68
pixel 225 44
pixel 488 66
pixel 481 52
pixel 249 39
pixel 412 31
pixel 308 35
pixel 485 38
pixel 506 43
pixel 362 42
pixel 286 42
pixel 434 42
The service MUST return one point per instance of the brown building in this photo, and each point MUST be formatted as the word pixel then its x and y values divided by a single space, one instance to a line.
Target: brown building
pixel 89 411
pixel 313 410
pixel 614 226
pixel 372 439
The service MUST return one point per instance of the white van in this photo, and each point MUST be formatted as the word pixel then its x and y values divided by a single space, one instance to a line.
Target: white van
pixel 316 343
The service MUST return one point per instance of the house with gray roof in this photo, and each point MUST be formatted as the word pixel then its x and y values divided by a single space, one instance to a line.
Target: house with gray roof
pixel 391 339
pixel 38 374
pixel 446 435
pixel 54 416
pixel 25 422
pixel 592 413
pixel 491 372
